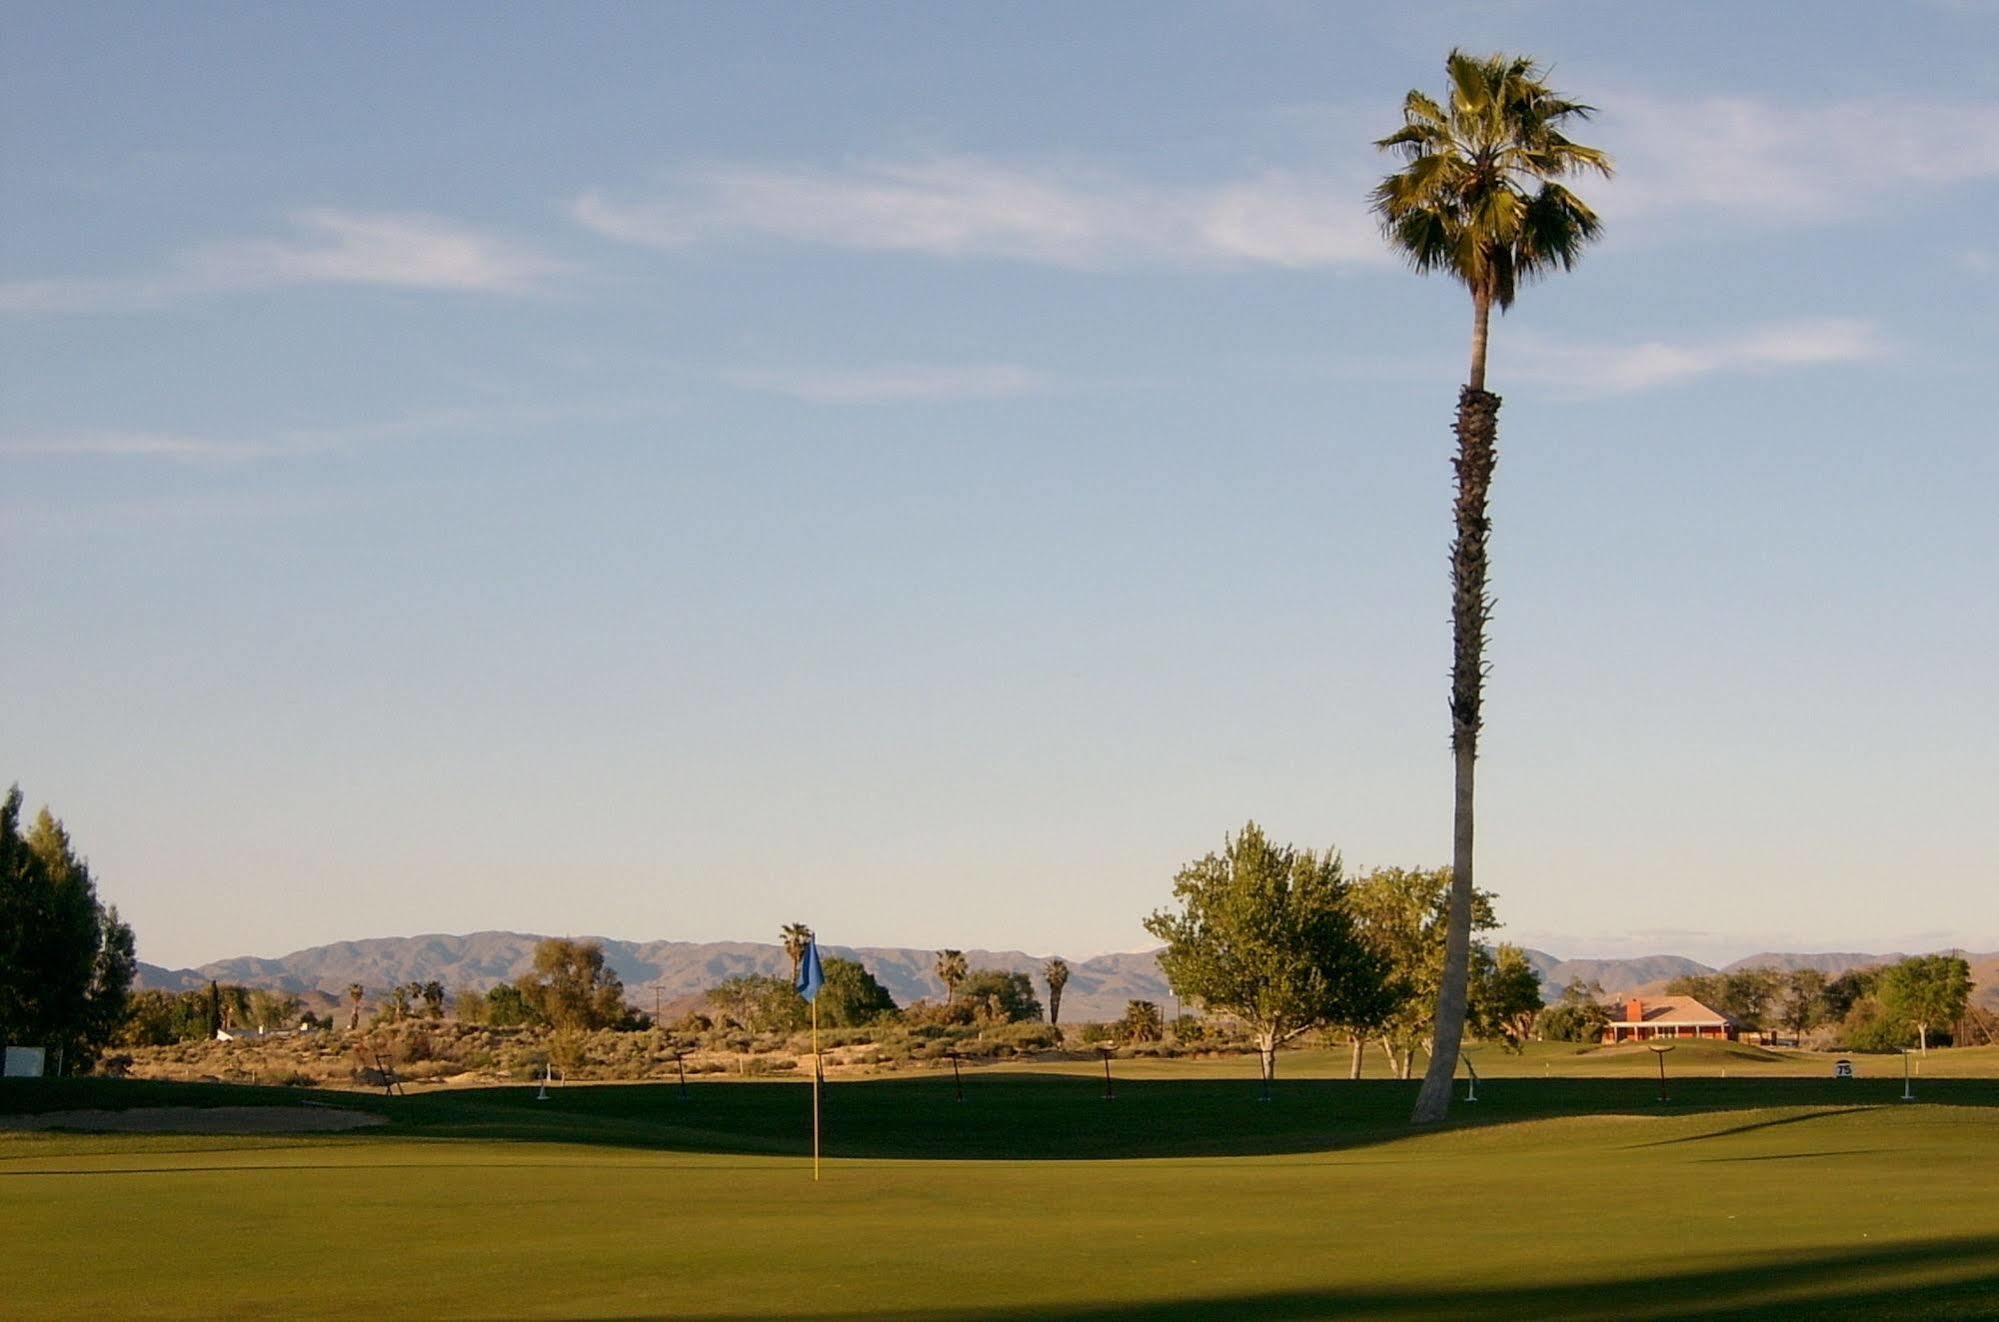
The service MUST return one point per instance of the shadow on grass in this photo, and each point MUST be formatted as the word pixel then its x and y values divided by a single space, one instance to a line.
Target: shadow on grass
pixel 1932 1278
pixel 1029 1117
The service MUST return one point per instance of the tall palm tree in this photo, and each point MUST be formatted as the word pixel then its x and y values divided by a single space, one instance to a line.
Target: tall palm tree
pixel 355 994
pixel 1479 199
pixel 1056 971
pixel 796 936
pixel 951 970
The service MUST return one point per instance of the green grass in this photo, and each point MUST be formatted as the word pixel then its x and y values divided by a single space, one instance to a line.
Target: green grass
pixel 1184 1198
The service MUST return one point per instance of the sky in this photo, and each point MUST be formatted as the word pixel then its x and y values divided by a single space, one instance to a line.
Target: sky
pixel 931 471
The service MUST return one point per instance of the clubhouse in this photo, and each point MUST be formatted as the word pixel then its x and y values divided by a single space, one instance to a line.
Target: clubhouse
pixel 1669 1017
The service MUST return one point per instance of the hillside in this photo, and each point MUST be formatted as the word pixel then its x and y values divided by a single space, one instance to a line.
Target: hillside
pixel 1098 988
pixel 675 970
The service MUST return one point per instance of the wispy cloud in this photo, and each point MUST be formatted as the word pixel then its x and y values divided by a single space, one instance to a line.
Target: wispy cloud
pixel 1605 369
pixel 327 247
pixel 1763 162
pixel 899 384
pixel 296 442
pixel 130 444
pixel 964 206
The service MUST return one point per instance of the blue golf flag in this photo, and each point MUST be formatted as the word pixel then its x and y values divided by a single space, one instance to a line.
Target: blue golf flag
pixel 810 976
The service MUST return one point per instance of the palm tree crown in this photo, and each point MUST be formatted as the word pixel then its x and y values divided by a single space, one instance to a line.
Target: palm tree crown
pixel 796 937
pixel 951 971
pixel 1478 198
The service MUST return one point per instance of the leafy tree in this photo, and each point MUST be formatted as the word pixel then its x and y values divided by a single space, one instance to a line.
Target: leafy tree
pixel 1870 1027
pixel 796 936
pixel 1506 998
pixel 1849 989
pixel 273 1009
pixel 468 1007
pixel 506 1007
pixel 396 1005
pixel 851 997
pixel 1479 199
pixel 66 960
pixel 950 969
pixel 1141 1023
pixel 1056 973
pixel 1579 1016
pixel 999 996
pixel 1804 1007
pixel 1264 932
pixel 432 995
pixel 571 988
pixel 759 1003
pixel 1746 995
pixel 161 1018
pixel 1926 991
pixel 1404 918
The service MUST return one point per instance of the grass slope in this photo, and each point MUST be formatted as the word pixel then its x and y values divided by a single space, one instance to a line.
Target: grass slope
pixel 1033 1198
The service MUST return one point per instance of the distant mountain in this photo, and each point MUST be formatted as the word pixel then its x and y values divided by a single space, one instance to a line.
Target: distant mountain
pixel 1617 976
pixel 1832 965
pixel 678 970
pixel 1098 988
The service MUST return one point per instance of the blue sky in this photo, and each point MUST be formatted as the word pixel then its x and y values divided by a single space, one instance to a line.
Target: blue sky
pixel 929 471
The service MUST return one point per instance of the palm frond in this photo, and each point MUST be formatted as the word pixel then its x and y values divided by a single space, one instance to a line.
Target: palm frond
pixel 1477 195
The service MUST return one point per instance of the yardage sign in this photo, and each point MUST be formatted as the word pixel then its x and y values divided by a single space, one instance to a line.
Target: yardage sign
pixel 25 1062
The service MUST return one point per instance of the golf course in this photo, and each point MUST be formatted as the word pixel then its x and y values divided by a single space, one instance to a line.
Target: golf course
pixel 1759 1188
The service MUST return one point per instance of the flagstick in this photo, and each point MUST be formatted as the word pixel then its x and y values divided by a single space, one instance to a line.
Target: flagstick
pixel 815 1087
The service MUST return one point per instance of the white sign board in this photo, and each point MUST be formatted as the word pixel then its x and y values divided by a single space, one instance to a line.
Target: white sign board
pixel 25 1062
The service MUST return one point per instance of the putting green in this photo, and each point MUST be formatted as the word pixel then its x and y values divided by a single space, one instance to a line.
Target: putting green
pixel 1032 1198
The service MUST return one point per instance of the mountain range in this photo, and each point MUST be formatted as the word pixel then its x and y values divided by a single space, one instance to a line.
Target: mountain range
pixel 673 974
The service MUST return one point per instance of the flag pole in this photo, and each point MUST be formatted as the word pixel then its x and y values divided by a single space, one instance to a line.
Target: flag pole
pixel 815 1088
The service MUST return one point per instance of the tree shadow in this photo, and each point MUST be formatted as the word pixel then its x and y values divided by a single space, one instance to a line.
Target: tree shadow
pixel 1945 1277
pixel 1054 1117
pixel 1035 1117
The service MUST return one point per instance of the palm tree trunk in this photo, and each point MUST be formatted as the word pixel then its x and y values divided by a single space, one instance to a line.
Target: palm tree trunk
pixel 1477 429
pixel 1353 1070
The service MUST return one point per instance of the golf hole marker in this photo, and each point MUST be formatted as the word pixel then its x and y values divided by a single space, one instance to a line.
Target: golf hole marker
pixel 1660 1052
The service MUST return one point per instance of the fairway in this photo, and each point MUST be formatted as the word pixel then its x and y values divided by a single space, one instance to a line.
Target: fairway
pixel 1035 1197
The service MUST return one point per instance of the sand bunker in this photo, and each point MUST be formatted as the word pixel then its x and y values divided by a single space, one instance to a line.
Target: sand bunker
pixel 200 1120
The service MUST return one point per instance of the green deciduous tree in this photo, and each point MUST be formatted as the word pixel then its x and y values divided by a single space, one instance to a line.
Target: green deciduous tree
pixel 507 1008
pixel 1749 996
pixel 1926 992
pixel 66 960
pixel 1264 932
pixel 571 988
pixel 851 997
pixel 999 996
pixel 1578 1016
pixel 1505 997
pixel 1056 973
pixel 1479 199
pixel 1404 917
pixel 1804 1001
pixel 759 1003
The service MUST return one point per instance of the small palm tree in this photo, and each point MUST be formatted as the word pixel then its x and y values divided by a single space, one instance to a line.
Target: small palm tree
pixel 356 993
pixel 951 970
pixel 796 936
pixel 1478 199
pixel 1056 971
